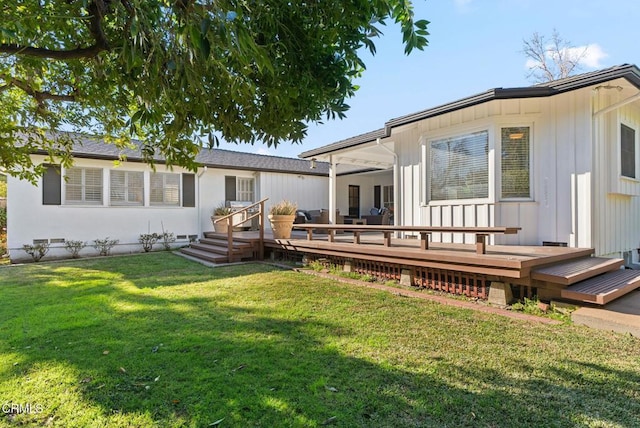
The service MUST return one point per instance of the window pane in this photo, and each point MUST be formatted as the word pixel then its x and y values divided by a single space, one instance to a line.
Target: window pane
pixel 515 163
pixel 460 167
pixel 165 189
pixel 127 188
pixel 83 185
pixel 628 151
pixel 244 189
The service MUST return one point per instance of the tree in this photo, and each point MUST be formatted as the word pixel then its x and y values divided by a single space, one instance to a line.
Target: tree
pixel 551 60
pixel 173 73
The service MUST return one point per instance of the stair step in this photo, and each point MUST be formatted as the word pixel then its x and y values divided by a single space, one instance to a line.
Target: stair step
pixel 223 243
pixel 574 271
pixel 204 255
pixel 604 288
pixel 237 237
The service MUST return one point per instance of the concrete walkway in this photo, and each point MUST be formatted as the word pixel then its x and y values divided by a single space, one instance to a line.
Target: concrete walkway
pixel 622 315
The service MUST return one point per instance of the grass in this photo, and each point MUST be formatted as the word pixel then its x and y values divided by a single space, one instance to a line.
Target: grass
pixel 157 340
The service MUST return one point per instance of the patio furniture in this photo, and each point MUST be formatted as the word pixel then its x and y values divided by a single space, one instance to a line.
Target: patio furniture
pixel 377 216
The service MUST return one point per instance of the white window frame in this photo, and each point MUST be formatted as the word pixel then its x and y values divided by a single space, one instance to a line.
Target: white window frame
pixel 83 186
pixel 127 190
pixel 245 189
pixel 499 160
pixel 425 172
pixel 165 189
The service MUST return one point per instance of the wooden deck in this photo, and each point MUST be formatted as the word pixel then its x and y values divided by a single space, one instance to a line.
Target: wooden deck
pixel 514 262
pixel 546 272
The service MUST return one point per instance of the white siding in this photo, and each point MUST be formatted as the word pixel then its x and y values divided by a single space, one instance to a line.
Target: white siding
pixel 309 192
pixel 29 219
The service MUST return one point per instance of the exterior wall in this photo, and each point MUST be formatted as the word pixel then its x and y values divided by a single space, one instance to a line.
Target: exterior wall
pixel 366 181
pixel 308 191
pixel 560 207
pixel 578 195
pixel 617 205
pixel 29 220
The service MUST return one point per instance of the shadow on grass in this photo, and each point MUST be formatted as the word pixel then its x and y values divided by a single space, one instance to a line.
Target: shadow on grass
pixel 179 350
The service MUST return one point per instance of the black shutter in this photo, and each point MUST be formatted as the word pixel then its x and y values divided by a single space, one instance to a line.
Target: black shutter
pixel 229 188
pixel 377 202
pixel 188 190
pixel 52 185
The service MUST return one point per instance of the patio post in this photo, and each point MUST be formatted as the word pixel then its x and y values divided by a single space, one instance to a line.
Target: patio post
pixel 332 190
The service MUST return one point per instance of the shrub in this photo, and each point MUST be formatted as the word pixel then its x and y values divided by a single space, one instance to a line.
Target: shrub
pixel 283 208
pixel 36 251
pixel 3 218
pixel 147 240
pixel 167 239
pixel 222 210
pixel 74 247
pixel 104 246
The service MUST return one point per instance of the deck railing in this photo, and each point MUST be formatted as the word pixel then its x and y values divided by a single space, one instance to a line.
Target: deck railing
pixel 243 211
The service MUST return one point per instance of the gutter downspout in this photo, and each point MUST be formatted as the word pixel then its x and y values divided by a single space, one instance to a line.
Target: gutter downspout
pixel 396 188
pixel 198 204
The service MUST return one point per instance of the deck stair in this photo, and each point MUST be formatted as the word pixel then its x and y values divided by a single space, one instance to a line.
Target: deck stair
pixel 214 248
pixel 595 280
pixel 573 271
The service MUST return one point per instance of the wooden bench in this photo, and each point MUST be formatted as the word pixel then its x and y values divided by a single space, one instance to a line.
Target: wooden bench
pixel 424 231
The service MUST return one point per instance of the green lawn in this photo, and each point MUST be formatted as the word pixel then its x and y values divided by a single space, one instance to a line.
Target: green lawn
pixel 158 340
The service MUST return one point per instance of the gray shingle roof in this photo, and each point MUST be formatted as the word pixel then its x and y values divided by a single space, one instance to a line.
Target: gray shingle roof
pixel 626 71
pixel 91 147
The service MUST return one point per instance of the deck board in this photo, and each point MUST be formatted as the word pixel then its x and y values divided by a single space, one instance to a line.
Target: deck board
pixel 573 271
pixel 604 288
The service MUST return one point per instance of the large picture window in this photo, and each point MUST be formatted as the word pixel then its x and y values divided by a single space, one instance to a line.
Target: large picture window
pixel 126 188
pixel 83 186
pixel 165 189
pixel 516 164
pixel 460 167
pixel 627 151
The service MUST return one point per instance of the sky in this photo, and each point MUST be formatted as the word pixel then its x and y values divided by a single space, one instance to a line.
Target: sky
pixel 474 46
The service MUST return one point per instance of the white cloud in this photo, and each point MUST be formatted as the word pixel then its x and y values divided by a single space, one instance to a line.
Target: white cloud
pixel 264 151
pixel 462 5
pixel 593 56
pixel 588 56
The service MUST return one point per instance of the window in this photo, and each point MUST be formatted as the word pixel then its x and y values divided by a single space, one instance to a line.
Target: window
pixel 460 167
pixel 387 197
pixel 516 163
pixel 627 151
pixel 244 189
pixel 127 188
pixel 83 186
pixel 165 189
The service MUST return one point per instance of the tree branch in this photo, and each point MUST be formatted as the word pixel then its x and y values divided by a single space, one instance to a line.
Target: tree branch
pixel 40 96
pixel 89 52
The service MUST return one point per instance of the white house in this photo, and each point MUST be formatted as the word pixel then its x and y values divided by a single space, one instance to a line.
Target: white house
pixel 560 160
pixel 99 198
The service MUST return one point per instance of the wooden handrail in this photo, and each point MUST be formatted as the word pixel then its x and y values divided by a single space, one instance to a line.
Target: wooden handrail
pixel 230 225
pixel 425 231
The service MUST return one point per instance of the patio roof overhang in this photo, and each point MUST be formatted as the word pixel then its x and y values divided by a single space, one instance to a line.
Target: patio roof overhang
pixel 370 155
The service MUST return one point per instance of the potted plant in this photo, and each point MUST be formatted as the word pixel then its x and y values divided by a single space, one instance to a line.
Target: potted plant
pixel 219 212
pixel 282 215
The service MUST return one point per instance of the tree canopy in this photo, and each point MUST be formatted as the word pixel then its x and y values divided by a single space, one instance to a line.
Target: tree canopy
pixel 174 73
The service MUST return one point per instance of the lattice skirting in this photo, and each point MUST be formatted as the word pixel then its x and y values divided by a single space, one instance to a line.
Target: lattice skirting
pixel 470 285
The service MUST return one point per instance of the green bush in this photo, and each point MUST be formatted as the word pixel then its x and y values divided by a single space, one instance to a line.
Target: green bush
pixel 3 218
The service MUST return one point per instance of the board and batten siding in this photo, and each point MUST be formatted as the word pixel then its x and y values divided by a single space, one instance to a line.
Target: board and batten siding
pixel 617 198
pixel 560 207
pixel 309 192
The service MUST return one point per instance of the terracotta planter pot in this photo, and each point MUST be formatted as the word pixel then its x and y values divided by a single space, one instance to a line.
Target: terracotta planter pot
pixel 282 225
pixel 220 227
